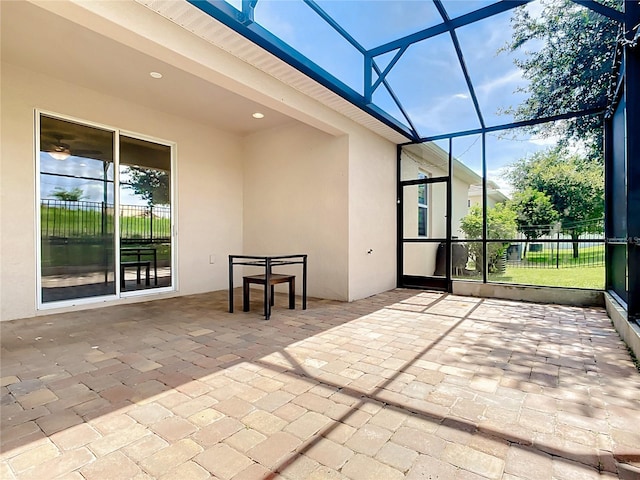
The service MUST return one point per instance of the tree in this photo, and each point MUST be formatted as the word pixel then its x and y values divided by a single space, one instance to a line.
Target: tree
pixel 501 224
pixel 574 185
pixel 151 185
pixel 73 195
pixel 535 214
pixel 572 71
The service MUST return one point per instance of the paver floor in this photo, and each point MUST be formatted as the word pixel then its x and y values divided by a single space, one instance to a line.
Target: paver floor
pixel 405 384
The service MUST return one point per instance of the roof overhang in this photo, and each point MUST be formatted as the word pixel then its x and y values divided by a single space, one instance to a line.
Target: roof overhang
pixel 219 34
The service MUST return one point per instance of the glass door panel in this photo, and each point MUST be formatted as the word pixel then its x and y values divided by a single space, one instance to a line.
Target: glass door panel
pixel 77 223
pixel 424 208
pixel 424 179
pixel 145 215
pixel 424 228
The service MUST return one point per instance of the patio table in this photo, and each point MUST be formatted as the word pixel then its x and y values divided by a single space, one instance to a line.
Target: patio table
pixel 268 262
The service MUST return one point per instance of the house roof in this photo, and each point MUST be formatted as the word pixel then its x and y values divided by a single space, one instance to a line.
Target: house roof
pixel 436 156
pixel 493 192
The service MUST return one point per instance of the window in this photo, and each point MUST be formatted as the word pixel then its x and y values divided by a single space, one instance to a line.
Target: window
pixel 423 206
pixel 88 174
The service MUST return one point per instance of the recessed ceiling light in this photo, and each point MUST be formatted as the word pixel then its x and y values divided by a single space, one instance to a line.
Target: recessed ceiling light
pixel 258 115
pixel 156 74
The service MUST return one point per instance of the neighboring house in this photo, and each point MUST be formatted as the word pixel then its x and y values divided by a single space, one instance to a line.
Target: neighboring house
pixel 494 195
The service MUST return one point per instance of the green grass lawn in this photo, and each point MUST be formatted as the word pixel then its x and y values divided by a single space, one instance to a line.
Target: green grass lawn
pixel 540 268
pixel 81 234
pixel 88 221
pixel 576 277
pixel 83 254
pixel 564 257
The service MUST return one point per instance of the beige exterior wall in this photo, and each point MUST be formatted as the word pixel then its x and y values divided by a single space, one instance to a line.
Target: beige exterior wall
pixel 332 198
pixel 208 171
pixel 476 200
pixel 296 201
pixel 460 206
pixel 372 214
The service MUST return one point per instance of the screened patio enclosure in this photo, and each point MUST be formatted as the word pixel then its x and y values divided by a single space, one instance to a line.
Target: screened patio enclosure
pixel 451 74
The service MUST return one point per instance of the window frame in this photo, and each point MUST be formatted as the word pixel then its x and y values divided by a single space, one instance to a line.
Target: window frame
pixel 423 208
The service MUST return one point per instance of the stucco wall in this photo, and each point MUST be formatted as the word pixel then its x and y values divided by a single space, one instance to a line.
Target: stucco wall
pixel 332 197
pixel 208 172
pixel 372 214
pixel 459 206
pixel 296 201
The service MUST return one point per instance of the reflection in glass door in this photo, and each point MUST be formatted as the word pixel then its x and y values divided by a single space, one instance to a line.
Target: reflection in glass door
pixel 145 214
pixel 77 221
pixel 80 178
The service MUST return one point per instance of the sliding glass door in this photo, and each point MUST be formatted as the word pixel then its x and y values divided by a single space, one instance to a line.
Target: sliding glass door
pixel 145 214
pixel 105 219
pixel 77 224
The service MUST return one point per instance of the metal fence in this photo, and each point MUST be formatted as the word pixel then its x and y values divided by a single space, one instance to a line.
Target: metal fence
pixel 61 219
pixel 577 244
pixel 569 246
pixel 555 254
pixel 150 223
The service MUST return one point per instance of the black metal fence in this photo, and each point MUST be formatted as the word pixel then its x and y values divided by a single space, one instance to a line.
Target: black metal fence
pixel 555 254
pixel 149 223
pixel 551 247
pixel 577 244
pixel 83 220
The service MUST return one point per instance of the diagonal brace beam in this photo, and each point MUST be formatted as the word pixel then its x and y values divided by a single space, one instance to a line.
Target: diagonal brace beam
pixel 335 25
pixel 463 65
pixel 457 22
pixel 382 75
pixel 597 7
pixel 397 102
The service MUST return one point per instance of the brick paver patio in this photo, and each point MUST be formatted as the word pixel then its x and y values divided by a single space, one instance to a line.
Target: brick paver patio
pixel 405 384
